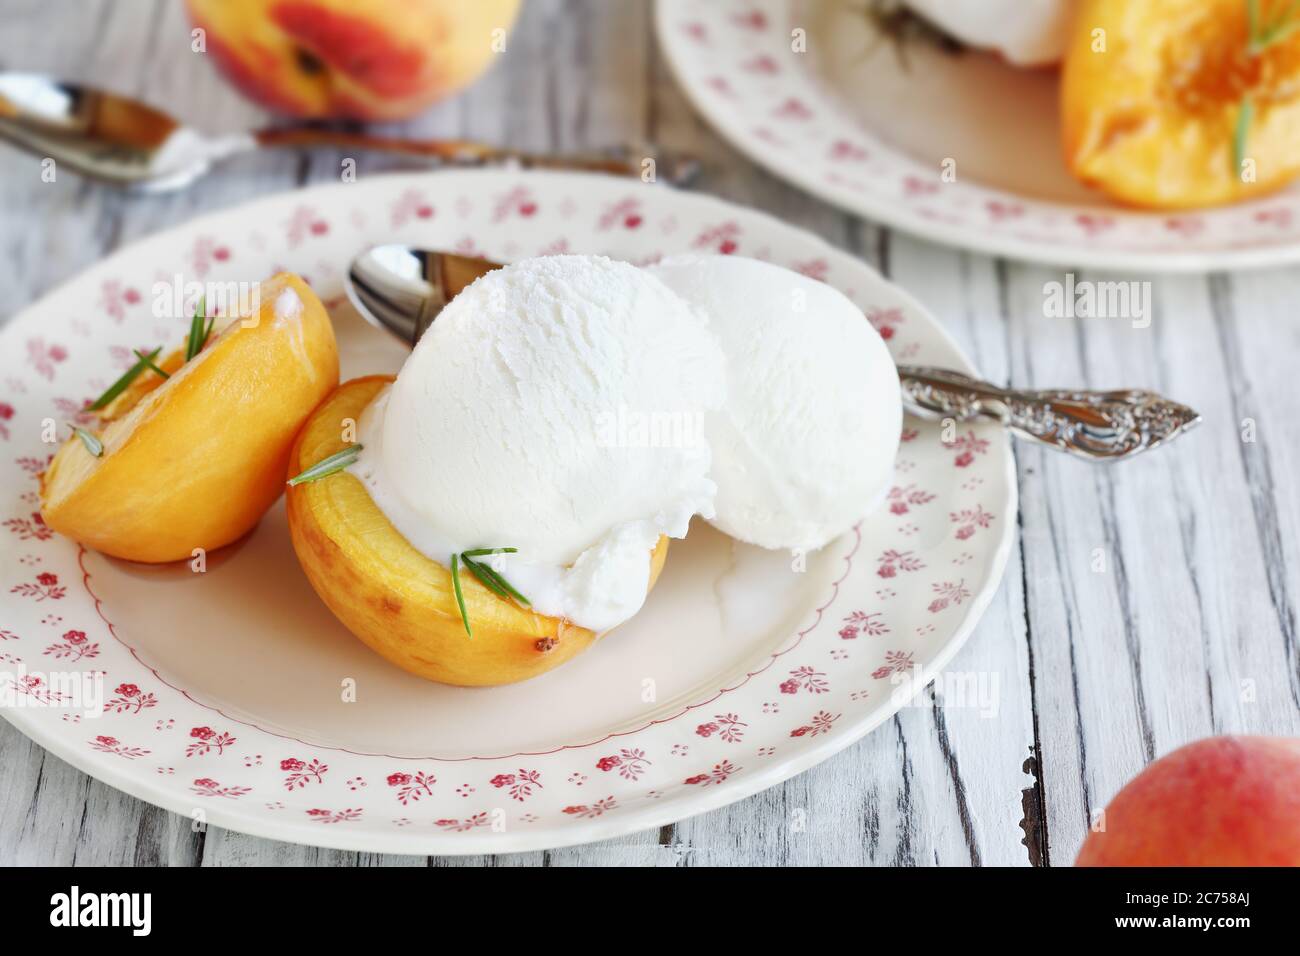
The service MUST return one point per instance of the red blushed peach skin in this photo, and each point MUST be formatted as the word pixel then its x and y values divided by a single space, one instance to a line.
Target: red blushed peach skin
pixel 360 59
pixel 1224 801
pixel 193 461
pixel 396 600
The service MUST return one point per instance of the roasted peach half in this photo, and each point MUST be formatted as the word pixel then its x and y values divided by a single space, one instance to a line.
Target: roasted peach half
pixel 194 460
pixel 1174 104
pixel 394 598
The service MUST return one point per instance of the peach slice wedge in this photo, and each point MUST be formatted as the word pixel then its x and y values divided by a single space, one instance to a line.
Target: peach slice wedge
pixel 390 595
pixel 193 460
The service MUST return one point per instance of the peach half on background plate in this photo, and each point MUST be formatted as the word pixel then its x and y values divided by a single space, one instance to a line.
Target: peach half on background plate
pixel 1173 104
pixel 194 460
pixel 394 598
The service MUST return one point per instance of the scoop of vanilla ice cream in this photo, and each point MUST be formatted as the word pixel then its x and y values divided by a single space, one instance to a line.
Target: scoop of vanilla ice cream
pixel 804 445
pixel 555 406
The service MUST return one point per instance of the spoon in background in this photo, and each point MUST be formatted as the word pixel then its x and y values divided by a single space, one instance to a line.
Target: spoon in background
pixel 401 290
pixel 122 141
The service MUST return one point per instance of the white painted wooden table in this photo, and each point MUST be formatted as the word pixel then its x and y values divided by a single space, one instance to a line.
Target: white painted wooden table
pixel 1144 606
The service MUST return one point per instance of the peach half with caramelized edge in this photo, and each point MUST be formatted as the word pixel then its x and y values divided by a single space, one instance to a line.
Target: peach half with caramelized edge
pixel 195 459
pixel 1173 104
pixel 393 597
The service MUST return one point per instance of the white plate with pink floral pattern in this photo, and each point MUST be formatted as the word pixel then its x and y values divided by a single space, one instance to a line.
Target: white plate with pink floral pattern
pixel 229 694
pixel 810 90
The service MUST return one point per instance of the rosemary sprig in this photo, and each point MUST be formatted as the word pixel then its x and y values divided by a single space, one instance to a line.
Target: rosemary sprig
pixel 492 578
pixel 460 596
pixel 149 362
pixel 1259 37
pixel 199 330
pixel 1283 25
pixel 328 466
pixel 1245 115
pixel 488 576
pixel 93 444
pixel 198 337
pixel 118 387
pixel 486 579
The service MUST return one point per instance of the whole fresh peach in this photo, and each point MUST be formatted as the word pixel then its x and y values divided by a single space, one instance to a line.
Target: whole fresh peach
pixel 1223 801
pixel 359 59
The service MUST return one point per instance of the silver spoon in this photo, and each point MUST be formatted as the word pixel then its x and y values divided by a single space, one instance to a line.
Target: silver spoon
pixel 122 141
pixel 401 290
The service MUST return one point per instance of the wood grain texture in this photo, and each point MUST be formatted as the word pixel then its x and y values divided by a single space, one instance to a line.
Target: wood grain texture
pixel 1144 606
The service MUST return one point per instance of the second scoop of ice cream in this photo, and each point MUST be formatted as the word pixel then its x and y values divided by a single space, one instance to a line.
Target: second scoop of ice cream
pixel 804 445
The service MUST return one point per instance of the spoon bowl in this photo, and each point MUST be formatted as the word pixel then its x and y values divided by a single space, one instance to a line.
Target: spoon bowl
pixel 106 137
pixel 401 290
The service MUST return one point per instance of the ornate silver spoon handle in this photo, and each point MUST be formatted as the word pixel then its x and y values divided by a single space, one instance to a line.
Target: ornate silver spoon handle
pixel 1106 426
